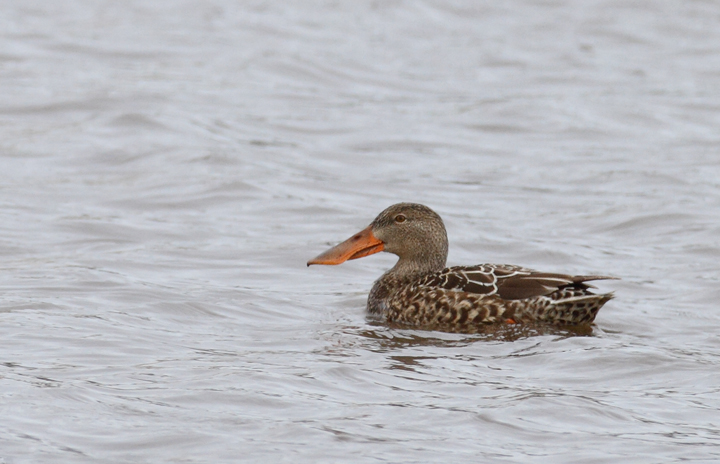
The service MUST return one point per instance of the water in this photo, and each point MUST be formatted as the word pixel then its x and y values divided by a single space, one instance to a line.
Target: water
pixel 169 167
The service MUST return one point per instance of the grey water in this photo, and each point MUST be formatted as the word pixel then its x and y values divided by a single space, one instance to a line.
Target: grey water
pixel 167 169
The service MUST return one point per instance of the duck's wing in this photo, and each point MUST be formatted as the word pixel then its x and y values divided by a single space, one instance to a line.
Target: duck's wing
pixel 504 280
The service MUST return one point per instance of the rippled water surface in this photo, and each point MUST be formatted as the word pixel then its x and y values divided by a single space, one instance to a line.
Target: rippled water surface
pixel 169 167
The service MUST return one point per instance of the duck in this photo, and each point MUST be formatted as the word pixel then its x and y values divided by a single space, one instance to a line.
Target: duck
pixel 419 290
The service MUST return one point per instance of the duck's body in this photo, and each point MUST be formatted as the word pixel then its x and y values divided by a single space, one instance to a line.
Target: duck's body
pixel 420 291
pixel 487 293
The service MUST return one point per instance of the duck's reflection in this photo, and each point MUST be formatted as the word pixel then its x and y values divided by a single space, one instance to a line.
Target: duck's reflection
pixel 392 336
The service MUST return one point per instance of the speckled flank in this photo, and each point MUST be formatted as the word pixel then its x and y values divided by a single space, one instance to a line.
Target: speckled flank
pixel 421 305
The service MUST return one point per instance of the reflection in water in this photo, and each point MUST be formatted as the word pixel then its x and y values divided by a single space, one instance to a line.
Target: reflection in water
pixel 395 336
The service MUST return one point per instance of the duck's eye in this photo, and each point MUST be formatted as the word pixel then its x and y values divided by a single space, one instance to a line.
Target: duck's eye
pixel 400 218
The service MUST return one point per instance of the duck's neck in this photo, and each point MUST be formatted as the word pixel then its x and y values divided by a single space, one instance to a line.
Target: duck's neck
pixel 407 268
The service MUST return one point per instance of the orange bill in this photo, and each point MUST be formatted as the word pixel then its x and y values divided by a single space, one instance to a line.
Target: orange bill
pixel 359 245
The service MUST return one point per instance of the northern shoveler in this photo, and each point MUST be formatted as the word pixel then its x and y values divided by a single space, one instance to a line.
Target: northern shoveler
pixel 419 290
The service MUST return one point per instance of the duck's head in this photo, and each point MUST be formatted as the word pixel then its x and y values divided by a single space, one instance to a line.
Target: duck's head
pixel 413 232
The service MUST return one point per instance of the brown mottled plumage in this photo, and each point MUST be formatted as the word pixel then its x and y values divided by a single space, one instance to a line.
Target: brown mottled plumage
pixel 420 291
